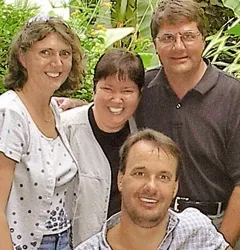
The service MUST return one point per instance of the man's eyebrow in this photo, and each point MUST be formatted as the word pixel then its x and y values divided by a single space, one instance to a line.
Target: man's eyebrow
pixel 165 172
pixel 139 168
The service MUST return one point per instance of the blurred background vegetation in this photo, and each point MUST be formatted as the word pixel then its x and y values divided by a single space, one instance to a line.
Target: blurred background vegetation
pixel 103 24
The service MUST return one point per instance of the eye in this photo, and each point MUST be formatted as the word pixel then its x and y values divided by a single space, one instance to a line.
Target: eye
pixel 106 89
pixel 139 174
pixel 167 38
pixel 65 53
pixel 164 177
pixel 189 36
pixel 128 91
pixel 45 52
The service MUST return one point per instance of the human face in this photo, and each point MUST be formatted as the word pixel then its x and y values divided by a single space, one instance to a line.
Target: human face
pixel 48 62
pixel 148 184
pixel 180 58
pixel 115 101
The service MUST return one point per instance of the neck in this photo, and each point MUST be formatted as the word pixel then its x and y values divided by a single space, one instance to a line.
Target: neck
pixel 37 101
pixel 182 83
pixel 38 96
pixel 127 235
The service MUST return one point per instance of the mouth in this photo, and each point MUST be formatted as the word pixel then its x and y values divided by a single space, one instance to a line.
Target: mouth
pixel 149 200
pixel 53 75
pixel 116 111
pixel 180 58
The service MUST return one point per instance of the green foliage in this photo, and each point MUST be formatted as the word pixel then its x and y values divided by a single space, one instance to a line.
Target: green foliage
pixel 216 14
pixel 96 21
pixel 12 16
pixel 82 19
pixel 234 5
pixel 137 14
pixel 89 22
pixel 223 48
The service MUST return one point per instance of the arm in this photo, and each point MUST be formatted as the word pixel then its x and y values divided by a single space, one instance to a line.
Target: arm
pixel 6 177
pixel 230 226
pixel 65 103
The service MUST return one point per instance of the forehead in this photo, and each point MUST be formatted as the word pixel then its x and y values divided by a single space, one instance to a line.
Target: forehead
pixel 52 40
pixel 181 26
pixel 117 81
pixel 148 155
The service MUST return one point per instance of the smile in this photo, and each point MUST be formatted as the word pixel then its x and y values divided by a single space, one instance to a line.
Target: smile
pixel 116 111
pixel 147 200
pixel 53 75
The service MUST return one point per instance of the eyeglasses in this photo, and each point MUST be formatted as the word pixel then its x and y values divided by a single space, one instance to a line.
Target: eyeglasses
pixel 186 37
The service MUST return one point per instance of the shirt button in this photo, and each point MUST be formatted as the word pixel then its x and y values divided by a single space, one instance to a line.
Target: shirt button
pixel 178 106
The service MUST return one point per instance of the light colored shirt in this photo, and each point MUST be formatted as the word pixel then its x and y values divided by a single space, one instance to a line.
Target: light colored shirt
pixel 188 230
pixel 34 178
pixel 65 171
pixel 95 173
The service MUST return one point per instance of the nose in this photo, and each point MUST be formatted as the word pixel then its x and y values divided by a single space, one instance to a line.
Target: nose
pixel 178 44
pixel 151 185
pixel 117 97
pixel 56 60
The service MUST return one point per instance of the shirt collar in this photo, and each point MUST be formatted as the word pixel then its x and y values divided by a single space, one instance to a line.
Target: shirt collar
pixel 111 222
pixel 173 220
pixel 207 82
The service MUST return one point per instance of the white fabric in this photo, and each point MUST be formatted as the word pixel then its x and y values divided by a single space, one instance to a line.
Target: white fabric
pixel 34 178
pixel 188 230
pixel 95 173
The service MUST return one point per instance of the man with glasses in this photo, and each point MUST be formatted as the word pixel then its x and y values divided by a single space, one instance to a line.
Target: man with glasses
pixel 198 106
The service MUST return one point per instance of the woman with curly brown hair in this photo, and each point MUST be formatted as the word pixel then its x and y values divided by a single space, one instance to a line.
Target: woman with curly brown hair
pixel 38 172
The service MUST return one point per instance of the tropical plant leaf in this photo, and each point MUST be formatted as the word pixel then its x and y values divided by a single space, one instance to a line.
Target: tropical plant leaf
pixel 234 30
pixel 116 34
pixel 234 5
pixel 144 14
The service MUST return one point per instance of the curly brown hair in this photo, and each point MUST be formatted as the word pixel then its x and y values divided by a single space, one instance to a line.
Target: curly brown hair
pixel 36 29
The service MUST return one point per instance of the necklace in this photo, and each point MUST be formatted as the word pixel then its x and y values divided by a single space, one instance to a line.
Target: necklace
pixel 50 117
pixel 47 117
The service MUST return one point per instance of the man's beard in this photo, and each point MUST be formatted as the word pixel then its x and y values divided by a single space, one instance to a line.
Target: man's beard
pixel 143 220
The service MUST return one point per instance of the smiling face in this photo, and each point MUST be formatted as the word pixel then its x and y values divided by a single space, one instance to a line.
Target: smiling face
pixel 48 62
pixel 180 58
pixel 115 101
pixel 148 185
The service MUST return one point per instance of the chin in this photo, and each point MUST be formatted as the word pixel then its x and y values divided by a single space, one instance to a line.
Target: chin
pixel 148 221
pixel 181 70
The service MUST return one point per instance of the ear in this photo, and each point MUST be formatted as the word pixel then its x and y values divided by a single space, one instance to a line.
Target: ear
pixel 204 44
pixel 155 45
pixel 175 189
pixel 120 180
pixel 22 59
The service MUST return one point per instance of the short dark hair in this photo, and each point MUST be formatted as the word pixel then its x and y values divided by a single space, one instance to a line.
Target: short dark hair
pixel 125 64
pixel 161 141
pixel 36 29
pixel 173 11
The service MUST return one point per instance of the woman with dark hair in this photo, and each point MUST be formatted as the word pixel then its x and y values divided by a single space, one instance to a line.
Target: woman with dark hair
pixel 38 172
pixel 97 131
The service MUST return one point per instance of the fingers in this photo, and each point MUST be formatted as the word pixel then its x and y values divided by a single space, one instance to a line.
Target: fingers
pixel 64 103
